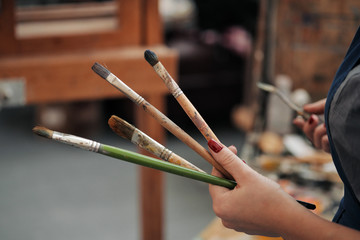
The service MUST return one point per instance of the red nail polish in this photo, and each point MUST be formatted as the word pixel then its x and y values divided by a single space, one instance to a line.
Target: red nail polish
pixel 215 146
pixel 311 119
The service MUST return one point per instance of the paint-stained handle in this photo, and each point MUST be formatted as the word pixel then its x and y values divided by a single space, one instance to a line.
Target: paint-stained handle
pixel 184 102
pixel 164 166
pixel 183 136
pixel 160 117
pixel 144 141
pixel 196 118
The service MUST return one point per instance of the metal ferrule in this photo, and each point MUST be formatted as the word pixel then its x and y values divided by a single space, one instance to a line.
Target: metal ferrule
pixel 165 154
pixel 112 79
pixel 177 93
pixel 115 81
pixel 76 141
pixel 168 80
pixel 144 141
pixel 139 100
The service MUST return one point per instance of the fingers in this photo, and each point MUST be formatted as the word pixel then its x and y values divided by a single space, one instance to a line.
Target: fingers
pixel 309 127
pixel 314 131
pixel 226 157
pixel 299 122
pixel 325 144
pixel 232 164
pixel 316 107
pixel 319 132
pixel 215 172
pixel 233 149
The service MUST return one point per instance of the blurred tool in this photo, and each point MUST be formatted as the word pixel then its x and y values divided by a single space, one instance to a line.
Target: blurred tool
pixel 272 89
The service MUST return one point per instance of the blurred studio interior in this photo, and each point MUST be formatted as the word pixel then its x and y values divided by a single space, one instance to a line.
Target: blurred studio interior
pixel 216 51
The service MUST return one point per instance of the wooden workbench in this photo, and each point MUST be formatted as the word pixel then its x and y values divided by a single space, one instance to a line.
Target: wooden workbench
pixel 57 68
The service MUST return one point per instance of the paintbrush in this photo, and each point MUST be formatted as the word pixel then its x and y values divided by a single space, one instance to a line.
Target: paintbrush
pixel 132 157
pixel 137 158
pixel 178 94
pixel 136 136
pixel 272 89
pixel 159 116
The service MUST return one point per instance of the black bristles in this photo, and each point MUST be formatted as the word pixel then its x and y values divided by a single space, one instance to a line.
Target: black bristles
pixel 100 70
pixel 151 57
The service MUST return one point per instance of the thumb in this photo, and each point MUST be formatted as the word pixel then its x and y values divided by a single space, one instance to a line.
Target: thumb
pixel 316 107
pixel 227 159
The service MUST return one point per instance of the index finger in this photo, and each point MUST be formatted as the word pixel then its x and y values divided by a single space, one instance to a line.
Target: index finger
pixel 214 189
pixel 316 107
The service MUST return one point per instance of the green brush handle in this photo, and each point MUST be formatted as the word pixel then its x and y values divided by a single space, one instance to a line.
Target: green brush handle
pixel 147 161
pixel 138 159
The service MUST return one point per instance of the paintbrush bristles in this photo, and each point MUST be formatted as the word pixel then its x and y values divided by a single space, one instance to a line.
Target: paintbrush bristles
pixel 155 113
pixel 42 131
pixel 100 70
pixel 121 127
pixel 128 131
pixel 151 57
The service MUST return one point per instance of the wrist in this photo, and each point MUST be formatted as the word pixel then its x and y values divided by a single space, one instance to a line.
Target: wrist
pixel 298 223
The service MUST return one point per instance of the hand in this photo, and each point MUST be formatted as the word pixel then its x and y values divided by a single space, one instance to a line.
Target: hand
pixel 256 204
pixel 315 132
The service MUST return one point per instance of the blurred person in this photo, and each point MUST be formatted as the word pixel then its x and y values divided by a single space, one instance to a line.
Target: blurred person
pixel 229 24
pixel 259 206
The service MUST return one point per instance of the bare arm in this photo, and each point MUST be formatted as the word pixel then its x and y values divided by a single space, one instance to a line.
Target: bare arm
pixel 257 205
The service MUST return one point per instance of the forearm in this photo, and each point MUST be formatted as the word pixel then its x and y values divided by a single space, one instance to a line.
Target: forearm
pixel 306 225
pixel 258 206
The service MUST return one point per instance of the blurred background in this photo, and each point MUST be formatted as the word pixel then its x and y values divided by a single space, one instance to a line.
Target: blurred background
pixel 216 50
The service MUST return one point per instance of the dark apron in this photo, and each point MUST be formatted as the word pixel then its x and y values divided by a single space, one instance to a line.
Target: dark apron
pixel 348 213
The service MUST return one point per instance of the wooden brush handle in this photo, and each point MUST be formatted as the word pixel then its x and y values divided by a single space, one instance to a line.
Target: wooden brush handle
pixel 183 136
pixel 195 116
pixel 144 141
pixel 176 159
pixel 184 102
pixel 192 113
pixel 166 122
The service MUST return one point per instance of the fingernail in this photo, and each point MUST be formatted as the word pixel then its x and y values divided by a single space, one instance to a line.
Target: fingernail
pixel 311 119
pixel 214 145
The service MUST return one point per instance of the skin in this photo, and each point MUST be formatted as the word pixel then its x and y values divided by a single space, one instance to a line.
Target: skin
pixel 258 206
pixel 313 130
